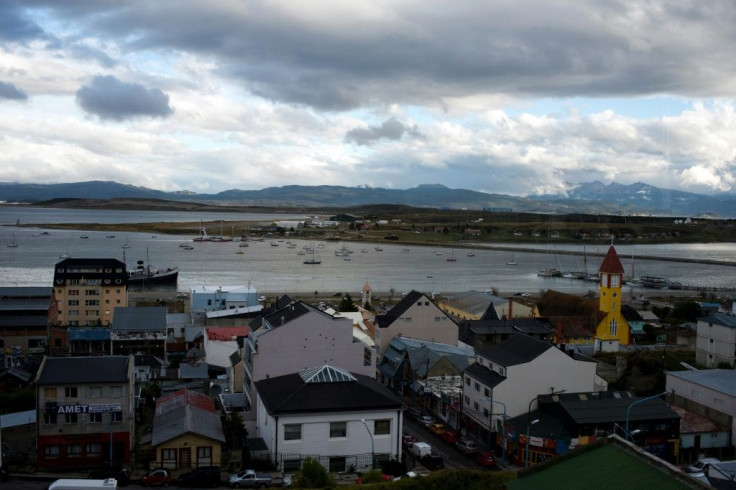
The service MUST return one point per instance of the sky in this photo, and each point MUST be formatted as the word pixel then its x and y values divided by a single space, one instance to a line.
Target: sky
pixel 512 97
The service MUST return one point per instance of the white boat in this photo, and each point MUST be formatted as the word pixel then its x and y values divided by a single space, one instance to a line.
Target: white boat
pixel 471 254
pixel 13 243
pixel 451 257
pixel 314 260
pixel 126 244
pixel 512 261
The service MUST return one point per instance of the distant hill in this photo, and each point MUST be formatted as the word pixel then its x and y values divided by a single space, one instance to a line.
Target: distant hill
pixel 593 197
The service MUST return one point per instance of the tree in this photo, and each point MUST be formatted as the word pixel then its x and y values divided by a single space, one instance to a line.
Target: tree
pixel 235 431
pixel 313 475
pixel 347 304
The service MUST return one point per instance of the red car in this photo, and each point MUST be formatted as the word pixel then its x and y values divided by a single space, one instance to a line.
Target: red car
pixel 486 459
pixel 157 478
pixel 451 437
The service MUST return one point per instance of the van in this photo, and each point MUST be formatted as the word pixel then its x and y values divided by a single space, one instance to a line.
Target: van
pixel 79 484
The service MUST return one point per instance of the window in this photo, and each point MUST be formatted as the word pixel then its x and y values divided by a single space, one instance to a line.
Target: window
pixel 613 328
pixel 615 280
pixel 91 292
pixel 73 302
pixel 95 418
pixel 50 418
pixel 49 393
pixel 382 427
pixel 338 429
pixel 168 458
pixel 117 416
pixel 475 406
pixel 70 392
pixel 74 292
pixel 70 418
pixel 467 381
pixel 467 400
pixel 486 392
pixel 292 432
pixel 51 452
pixel 74 451
pixel 95 391
pixel 73 312
pixel 476 385
pixel 116 391
pixel 204 456
pixel 93 449
pixel 337 464
pixel 485 412
pixel 91 302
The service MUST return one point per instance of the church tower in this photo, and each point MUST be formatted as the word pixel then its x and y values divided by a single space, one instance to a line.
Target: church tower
pixel 366 295
pixel 614 325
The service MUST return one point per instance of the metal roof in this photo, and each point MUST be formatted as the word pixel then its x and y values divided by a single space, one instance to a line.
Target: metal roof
pixel 722 380
pixel 326 374
pixel 186 419
pixel 518 349
pixel 94 369
pixel 723 319
pixel 139 319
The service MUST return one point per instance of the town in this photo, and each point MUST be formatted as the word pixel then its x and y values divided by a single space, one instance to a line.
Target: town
pixel 210 385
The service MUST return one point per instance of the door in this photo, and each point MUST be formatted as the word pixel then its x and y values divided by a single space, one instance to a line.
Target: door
pixel 185 457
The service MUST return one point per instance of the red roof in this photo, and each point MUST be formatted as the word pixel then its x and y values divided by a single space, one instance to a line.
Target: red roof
pixel 184 397
pixel 227 333
pixel 611 264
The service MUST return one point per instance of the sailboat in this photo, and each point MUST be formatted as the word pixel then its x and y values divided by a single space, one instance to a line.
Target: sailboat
pixel 203 237
pixel 314 260
pixel 13 243
pixel 126 245
pixel 451 257
pixel 512 261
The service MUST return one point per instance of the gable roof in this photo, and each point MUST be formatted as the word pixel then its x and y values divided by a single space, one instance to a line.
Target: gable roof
pixel 291 394
pixel 722 319
pixel 399 308
pixel 93 369
pixel 184 412
pixel 518 349
pixel 607 463
pixel 630 314
pixel 722 380
pixel 484 375
pixel 611 263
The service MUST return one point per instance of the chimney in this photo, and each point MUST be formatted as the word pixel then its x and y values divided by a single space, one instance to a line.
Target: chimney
pixel 511 308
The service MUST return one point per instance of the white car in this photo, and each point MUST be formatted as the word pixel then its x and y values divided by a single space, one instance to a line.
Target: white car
pixel 701 465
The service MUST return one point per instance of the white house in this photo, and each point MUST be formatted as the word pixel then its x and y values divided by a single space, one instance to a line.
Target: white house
pixel 509 376
pixel 715 343
pixel 345 419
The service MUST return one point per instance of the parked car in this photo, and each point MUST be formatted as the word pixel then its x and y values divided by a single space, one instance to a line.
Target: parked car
pixel 120 474
pixel 160 477
pixel 702 465
pixel 486 459
pixel 204 476
pixel 249 479
pixel 451 437
pixel 413 413
pixel 437 429
pixel 425 420
pixel 467 447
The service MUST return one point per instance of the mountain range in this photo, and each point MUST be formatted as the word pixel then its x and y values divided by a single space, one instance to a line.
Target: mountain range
pixel 592 197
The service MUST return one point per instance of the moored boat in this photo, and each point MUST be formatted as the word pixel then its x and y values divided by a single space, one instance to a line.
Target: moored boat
pixel 145 274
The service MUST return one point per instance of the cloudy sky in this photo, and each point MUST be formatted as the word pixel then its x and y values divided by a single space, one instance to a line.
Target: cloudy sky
pixel 514 97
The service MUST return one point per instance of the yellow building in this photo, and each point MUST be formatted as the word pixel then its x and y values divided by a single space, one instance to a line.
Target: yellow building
pixel 613 326
pixel 87 291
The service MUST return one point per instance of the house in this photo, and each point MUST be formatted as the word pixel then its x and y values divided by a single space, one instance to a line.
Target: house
pixel 609 463
pixel 613 329
pixel 139 330
pixel 296 336
pixel 346 420
pixel 514 372
pixel 476 305
pixel 710 393
pixel 212 304
pixel 415 316
pixel 483 333
pixel 635 321
pixel 187 432
pixel 715 344
pixel 575 317
pixel 81 402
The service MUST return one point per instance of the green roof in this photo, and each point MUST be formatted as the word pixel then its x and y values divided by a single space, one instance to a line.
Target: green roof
pixel 603 465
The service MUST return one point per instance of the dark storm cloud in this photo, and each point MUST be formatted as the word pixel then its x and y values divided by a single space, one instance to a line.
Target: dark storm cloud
pixel 396 53
pixel 392 129
pixel 10 91
pixel 110 98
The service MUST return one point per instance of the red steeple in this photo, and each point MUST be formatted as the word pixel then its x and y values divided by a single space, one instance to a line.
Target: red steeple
pixel 611 264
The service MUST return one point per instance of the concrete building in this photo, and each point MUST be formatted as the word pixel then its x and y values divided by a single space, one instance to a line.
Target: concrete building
pixel 24 319
pixel 715 344
pixel 415 316
pixel 348 419
pixel 212 303
pixel 86 407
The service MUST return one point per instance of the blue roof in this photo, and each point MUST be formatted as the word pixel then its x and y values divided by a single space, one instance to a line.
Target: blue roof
pixel 722 380
pixel 723 319
pixel 89 334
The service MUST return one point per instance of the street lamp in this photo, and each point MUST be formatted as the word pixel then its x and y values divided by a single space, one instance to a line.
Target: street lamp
pixel 490 418
pixel 526 456
pixel 628 411
pixel 373 445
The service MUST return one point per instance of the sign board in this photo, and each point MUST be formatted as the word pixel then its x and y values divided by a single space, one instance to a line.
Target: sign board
pixel 98 408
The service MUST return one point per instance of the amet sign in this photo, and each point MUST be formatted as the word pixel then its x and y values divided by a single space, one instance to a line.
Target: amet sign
pixel 98 408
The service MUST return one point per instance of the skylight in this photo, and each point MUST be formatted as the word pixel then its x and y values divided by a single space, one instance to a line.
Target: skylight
pixel 326 374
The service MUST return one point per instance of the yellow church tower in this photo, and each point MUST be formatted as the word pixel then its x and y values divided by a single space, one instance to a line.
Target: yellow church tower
pixel 613 326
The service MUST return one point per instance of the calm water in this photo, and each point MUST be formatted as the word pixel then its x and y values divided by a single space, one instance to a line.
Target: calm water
pixel 276 269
